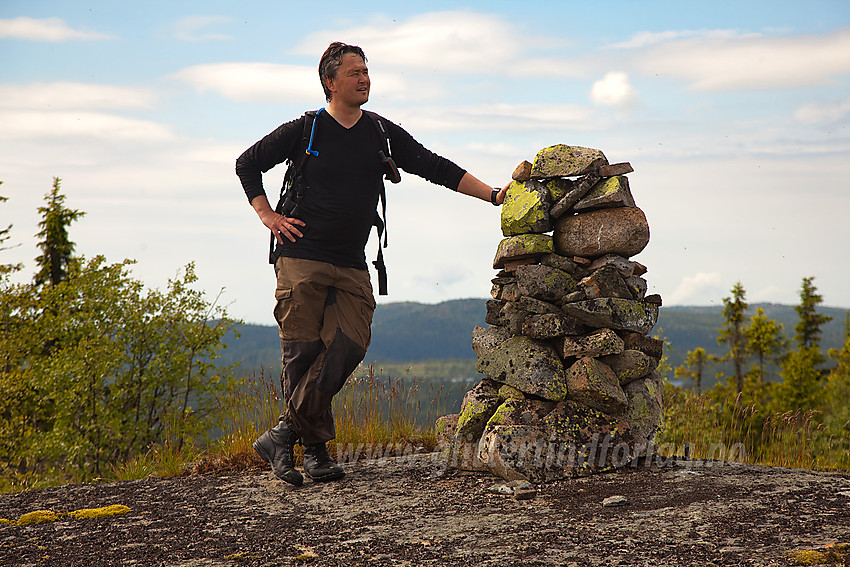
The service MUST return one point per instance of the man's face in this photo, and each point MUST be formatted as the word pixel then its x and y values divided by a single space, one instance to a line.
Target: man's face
pixel 351 85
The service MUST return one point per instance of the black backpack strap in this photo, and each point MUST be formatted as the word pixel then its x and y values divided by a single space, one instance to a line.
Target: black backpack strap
pixel 294 168
pixel 380 221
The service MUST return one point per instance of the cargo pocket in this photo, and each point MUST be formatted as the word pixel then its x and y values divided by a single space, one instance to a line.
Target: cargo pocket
pixel 282 307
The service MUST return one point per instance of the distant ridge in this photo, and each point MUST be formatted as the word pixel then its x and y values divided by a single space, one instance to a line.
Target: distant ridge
pixel 410 331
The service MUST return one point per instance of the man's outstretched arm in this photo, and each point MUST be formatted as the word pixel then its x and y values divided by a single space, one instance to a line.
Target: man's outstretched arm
pixel 472 186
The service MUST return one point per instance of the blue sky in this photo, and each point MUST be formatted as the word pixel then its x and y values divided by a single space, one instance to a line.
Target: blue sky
pixel 734 115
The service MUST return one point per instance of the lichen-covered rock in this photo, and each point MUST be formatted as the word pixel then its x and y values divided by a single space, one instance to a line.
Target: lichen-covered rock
pixel 550 326
pixel 645 412
pixel 510 393
pixel 559 187
pixel 605 282
pixel 623 231
pixel 514 314
pixel 630 365
pixel 494 315
pixel 566 161
pixel 565 264
pixel 593 383
pixel 485 339
pixel 647 345
pixel 614 313
pixel 637 286
pixel 515 452
pixel 530 366
pixel 477 408
pixel 572 440
pixel 609 192
pixel 625 267
pixel 544 282
pixel 445 427
pixel 521 247
pixel 589 440
pixel 579 189
pixel 597 343
pixel 533 305
pixel 461 454
pixel 526 209
pixel 523 411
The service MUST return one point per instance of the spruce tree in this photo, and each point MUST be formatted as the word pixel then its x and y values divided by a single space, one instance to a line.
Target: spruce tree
pixel 765 340
pixel 56 248
pixel 733 333
pixel 808 331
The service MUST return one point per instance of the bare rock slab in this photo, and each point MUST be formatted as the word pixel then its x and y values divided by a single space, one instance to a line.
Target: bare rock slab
pixel 614 313
pixel 623 231
pixel 528 365
pixel 566 161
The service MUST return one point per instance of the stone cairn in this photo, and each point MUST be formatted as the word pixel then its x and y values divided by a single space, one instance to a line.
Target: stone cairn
pixel 571 385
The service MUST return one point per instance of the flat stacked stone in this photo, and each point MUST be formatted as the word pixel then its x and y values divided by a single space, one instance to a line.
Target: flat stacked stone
pixel 571 386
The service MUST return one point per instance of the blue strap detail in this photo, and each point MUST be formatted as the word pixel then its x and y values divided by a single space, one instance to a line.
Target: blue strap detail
pixel 310 149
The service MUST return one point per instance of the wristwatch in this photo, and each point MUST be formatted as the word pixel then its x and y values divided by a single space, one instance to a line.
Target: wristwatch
pixel 493 196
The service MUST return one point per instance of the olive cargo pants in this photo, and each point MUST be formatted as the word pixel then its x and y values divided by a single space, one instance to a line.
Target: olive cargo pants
pixel 324 314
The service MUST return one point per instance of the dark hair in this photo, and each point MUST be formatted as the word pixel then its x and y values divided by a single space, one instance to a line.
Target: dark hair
pixel 332 59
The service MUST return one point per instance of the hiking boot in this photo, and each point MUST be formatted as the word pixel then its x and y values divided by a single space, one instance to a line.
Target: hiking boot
pixel 277 447
pixel 319 465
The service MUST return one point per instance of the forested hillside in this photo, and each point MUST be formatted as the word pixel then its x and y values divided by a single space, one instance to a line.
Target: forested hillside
pixel 404 333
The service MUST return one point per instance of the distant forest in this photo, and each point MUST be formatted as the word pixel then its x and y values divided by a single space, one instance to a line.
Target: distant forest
pixel 434 341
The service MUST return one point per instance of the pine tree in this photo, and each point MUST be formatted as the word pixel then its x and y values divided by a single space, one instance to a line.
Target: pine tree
pixel 56 248
pixel 733 333
pixel 694 367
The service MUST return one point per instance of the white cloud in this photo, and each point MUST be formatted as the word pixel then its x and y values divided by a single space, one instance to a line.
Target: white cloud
pixel 449 40
pixel 68 96
pixel 823 112
pixel 614 89
pixel 194 28
pixel 694 289
pixel 750 62
pixel 645 38
pixel 30 124
pixel 508 117
pixel 46 29
pixel 254 82
pixel 459 42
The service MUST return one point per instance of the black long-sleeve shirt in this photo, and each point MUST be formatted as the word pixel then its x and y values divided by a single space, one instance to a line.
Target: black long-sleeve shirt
pixel 343 181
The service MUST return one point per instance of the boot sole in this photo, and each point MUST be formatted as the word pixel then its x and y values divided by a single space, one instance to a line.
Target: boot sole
pixel 295 481
pixel 326 477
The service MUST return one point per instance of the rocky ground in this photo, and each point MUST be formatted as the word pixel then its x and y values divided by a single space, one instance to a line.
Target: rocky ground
pixel 406 511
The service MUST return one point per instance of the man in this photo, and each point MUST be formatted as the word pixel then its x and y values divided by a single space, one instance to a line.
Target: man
pixel 324 295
